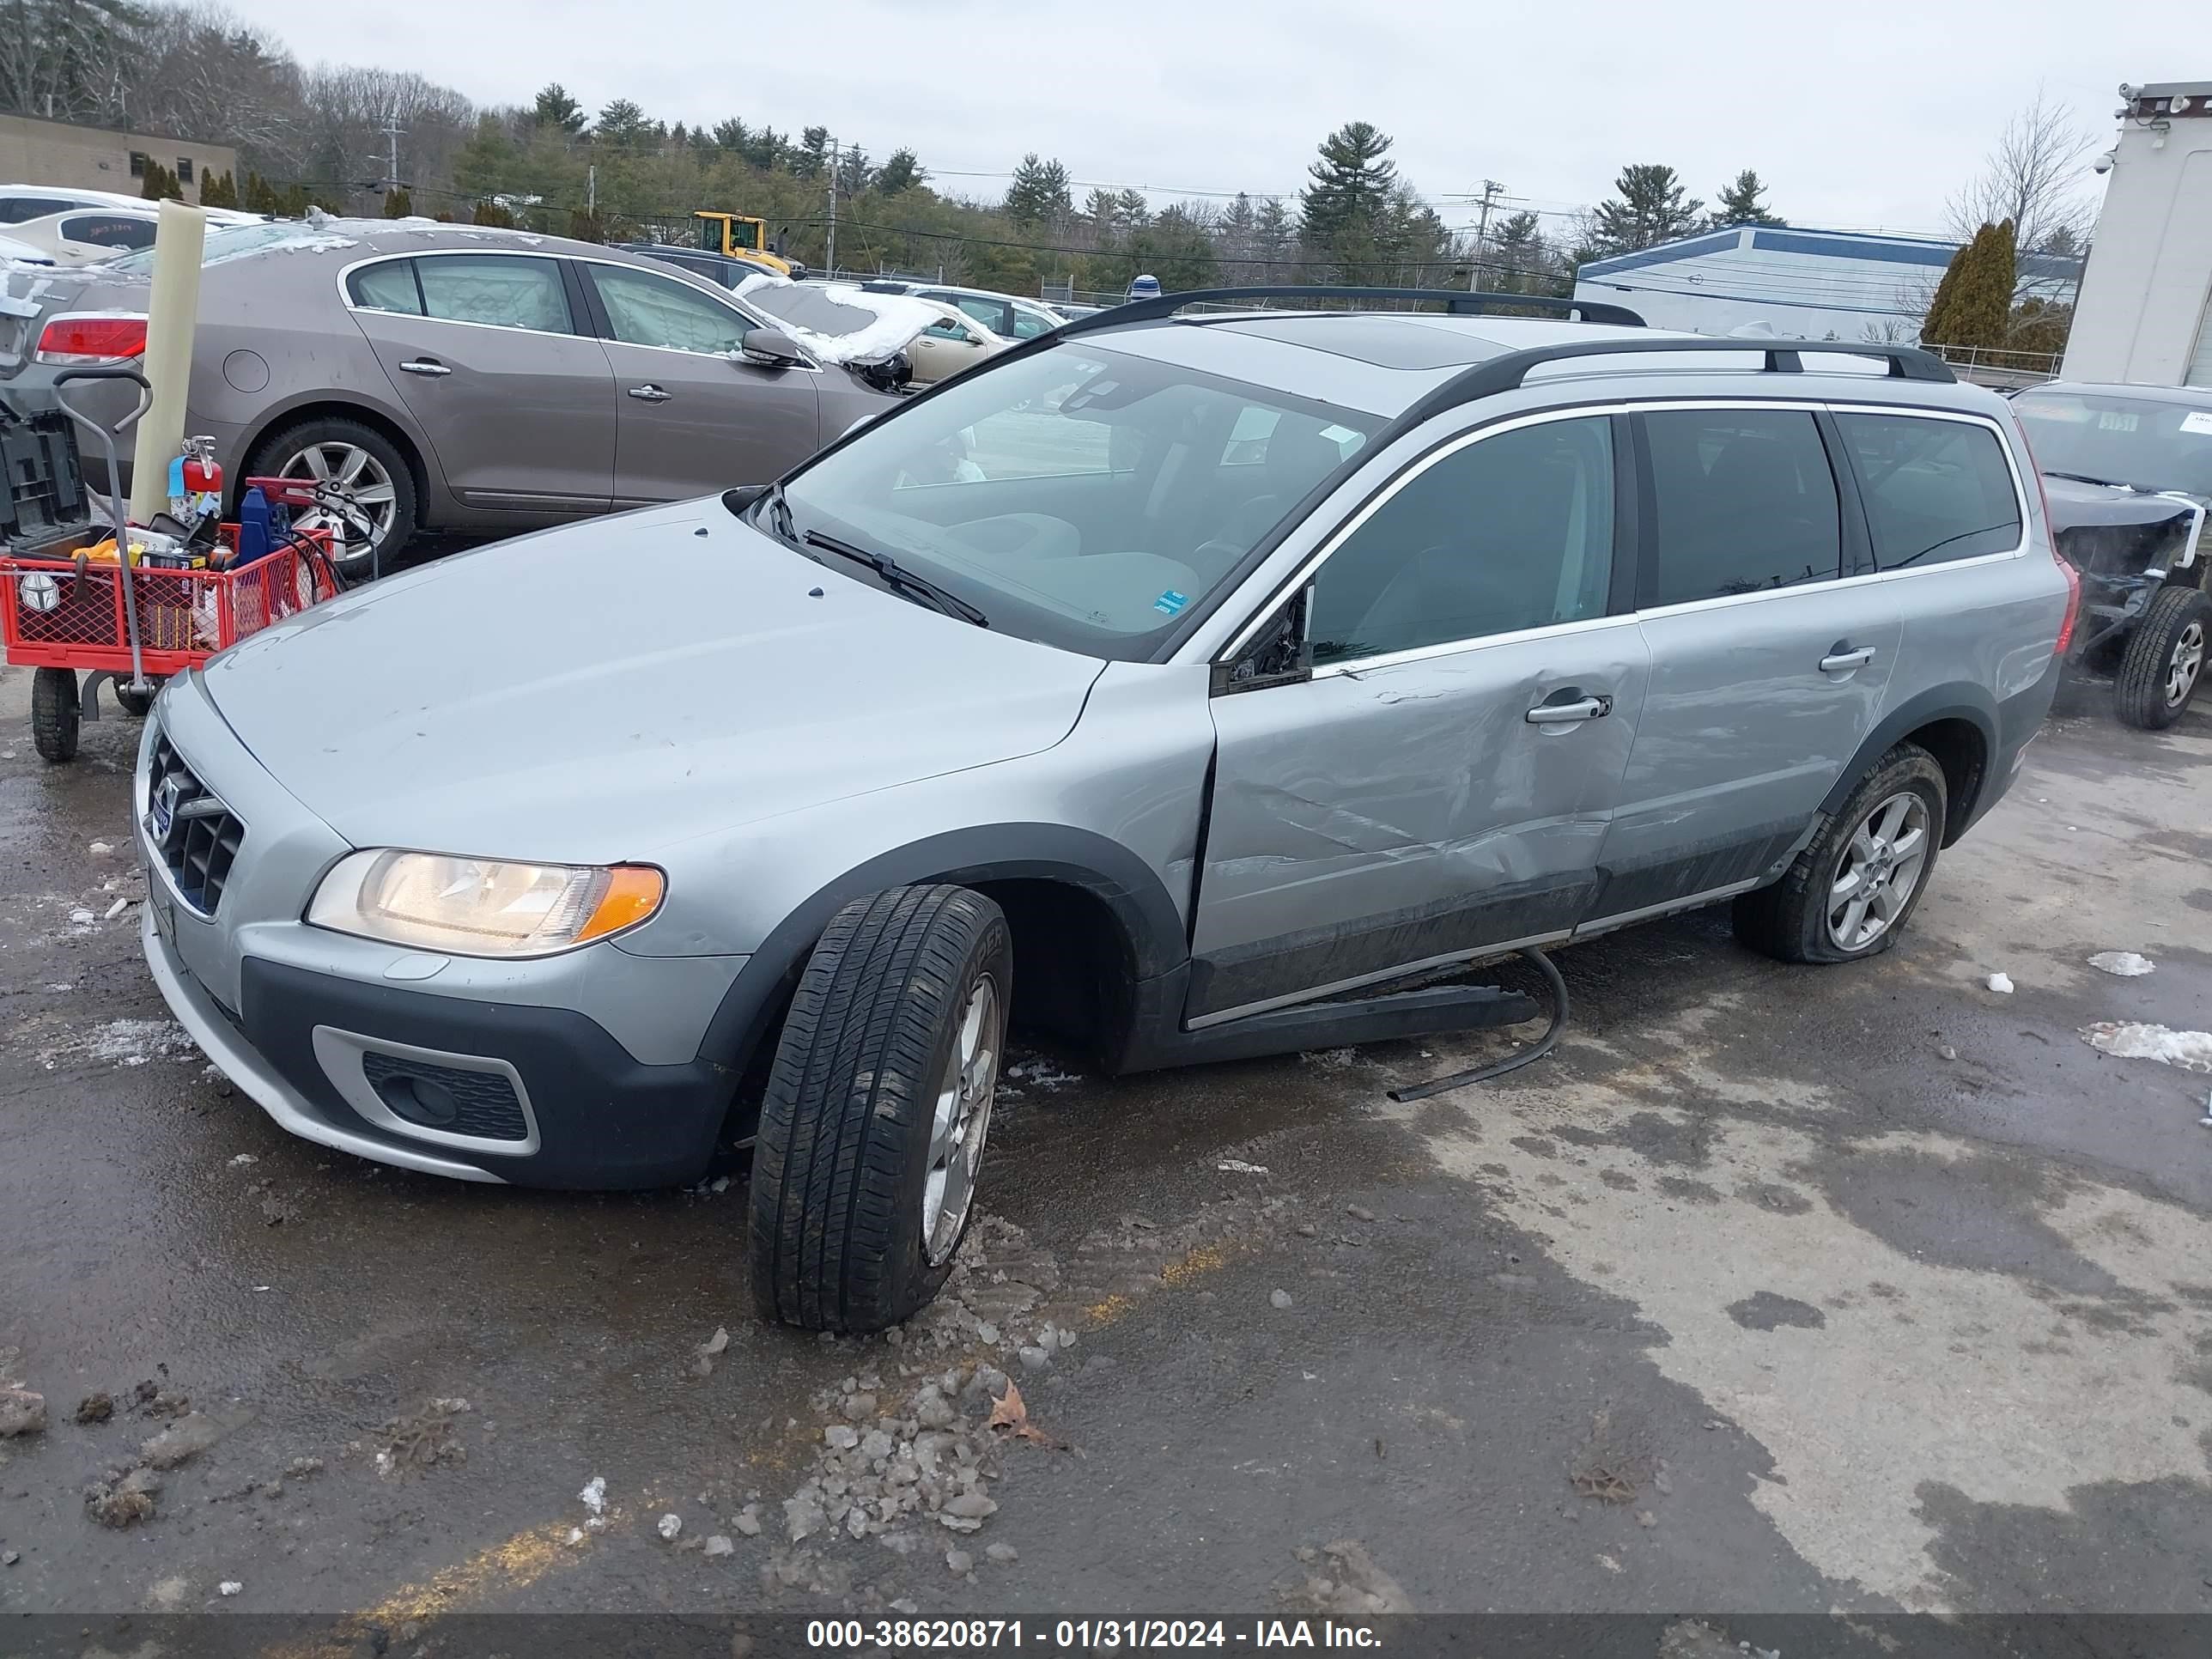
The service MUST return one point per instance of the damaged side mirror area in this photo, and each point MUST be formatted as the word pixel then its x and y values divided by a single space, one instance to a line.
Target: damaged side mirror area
pixel 1278 655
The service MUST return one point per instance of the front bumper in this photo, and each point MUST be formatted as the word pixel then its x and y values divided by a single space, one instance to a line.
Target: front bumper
pixel 583 1070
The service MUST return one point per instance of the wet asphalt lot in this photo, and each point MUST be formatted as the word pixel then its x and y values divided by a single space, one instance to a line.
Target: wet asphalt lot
pixel 1777 1289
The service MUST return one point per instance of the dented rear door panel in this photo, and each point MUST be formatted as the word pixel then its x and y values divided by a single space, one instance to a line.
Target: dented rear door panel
pixel 1370 821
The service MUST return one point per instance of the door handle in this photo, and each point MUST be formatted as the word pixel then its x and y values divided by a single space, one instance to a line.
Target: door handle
pixel 430 366
pixel 1839 661
pixel 1564 714
pixel 650 393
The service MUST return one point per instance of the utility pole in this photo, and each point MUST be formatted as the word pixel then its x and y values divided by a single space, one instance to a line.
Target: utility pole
pixel 391 132
pixel 830 258
pixel 1491 192
pixel 591 189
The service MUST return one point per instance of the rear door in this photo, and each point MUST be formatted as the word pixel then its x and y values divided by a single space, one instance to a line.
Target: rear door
pixel 692 416
pixel 1771 642
pixel 487 353
pixel 1438 782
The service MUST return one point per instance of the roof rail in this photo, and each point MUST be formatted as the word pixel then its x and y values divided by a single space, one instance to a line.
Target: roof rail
pixel 1507 371
pixel 1456 299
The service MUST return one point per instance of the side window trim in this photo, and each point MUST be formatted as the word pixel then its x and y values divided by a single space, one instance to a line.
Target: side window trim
pixel 1858 533
pixel 1626 538
pixel 1849 467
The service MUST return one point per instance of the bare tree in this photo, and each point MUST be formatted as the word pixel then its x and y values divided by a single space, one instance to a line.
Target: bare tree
pixel 2033 178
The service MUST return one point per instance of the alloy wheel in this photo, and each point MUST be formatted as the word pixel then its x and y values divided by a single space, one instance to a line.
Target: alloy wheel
pixel 961 1119
pixel 2186 663
pixel 1880 869
pixel 351 470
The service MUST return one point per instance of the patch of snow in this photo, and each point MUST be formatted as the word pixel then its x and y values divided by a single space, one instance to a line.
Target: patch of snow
pixel 82 918
pixel 840 322
pixel 671 1524
pixel 228 1587
pixel 100 849
pixel 126 1042
pixel 2001 983
pixel 1041 1073
pixel 116 909
pixel 2134 1040
pixel 2126 963
pixel 1238 1166
pixel 594 1499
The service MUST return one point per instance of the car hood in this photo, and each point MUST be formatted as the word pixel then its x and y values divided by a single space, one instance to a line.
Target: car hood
pixel 2075 504
pixel 594 693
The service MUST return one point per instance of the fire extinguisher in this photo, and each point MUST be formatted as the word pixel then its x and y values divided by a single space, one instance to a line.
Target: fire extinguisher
pixel 203 480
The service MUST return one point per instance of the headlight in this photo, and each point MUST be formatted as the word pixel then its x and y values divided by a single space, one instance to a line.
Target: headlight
pixel 482 907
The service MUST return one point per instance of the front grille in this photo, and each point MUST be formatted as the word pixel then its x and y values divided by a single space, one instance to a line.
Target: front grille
pixel 480 1103
pixel 195 835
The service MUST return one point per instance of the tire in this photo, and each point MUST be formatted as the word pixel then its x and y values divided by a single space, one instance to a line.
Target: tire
pixel 842 1182
pixel 1794 919
pixel 54 713
pixel 2164 660
pixel 282 453
pixel 133 702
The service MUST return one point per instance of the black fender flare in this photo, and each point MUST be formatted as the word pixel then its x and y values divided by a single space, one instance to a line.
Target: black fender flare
pixel 1961 699
pixel 1128 887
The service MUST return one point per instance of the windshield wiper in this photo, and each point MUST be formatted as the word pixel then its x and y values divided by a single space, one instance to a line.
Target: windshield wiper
pixel 779 511
pixel 897 577
pixel 2109 483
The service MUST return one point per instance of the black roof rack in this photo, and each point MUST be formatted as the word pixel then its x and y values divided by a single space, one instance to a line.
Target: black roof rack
pixel 1456 299
pixel 1507 371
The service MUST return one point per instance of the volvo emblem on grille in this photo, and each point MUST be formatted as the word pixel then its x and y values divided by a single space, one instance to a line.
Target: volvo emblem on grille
pixel 166 795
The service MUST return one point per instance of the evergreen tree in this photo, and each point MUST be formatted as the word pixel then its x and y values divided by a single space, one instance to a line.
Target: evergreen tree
pixel 1647 208
pixel 731 135
pixel 1972 305
pixel 1040 192
pixel 623 125
pixel 260 196
pixel 217 189
pixel 854 173
pixel 397 203
pixel 901 172
pixel 556 109
pixel 491 213
pixel 1517 248
pixel 1742 202
pixel 813 153
pixel 1349 194
pixel 586 227
pixel 295 202
pixel 160 184
pixel 1274 240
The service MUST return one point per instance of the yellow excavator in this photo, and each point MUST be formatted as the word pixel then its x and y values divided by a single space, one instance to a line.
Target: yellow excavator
pixel 736 237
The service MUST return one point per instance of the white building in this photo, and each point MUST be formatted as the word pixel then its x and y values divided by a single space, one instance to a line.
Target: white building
pixel 1800 284
pixel 2145 315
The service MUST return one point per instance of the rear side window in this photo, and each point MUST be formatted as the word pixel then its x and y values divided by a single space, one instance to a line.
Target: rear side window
pixel 1743 501
pixel 1935 490
pixel 1511 532
pixel 495 289
pixel 108 230
pixel 388 287
pixel 22 209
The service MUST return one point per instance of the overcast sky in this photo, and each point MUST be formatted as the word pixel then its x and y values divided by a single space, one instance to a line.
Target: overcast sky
pixel 1861 115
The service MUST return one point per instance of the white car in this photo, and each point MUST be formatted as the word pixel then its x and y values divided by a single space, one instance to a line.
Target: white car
pixel 20 204
pixel 87 236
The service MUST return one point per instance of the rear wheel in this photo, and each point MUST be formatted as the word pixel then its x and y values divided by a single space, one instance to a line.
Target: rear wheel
pixel 1849 894
pixel 2164 660
pixel 54 713
pixel 872 1127
pixel 363 467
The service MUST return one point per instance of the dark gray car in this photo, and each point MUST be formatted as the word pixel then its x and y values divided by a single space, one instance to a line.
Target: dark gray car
pixel 455 377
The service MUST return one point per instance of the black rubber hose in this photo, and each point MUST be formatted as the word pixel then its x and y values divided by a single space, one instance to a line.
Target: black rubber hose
pixel 1543 1046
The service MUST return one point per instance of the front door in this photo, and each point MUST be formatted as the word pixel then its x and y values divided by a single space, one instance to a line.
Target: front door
pixel 693 416
pixel 1441 784
pixel 486 353
pixel 1768 665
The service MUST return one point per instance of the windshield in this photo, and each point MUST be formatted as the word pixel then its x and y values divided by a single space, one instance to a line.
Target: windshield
pixel 1079 496
pixel 2121 439
pixel 225 242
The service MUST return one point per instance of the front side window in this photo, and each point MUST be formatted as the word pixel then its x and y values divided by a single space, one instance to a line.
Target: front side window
pixel 1512 532
pixel 1078 497
pixel 1935 490
pixel 646 310
pixel 1743 501
pixel 989 313
pixel 497 289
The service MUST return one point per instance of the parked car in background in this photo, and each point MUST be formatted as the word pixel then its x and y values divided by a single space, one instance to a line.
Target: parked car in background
pixel 2128 469
pixel 85 236
pixel 1004 314
pixel 714 267
pixel 22 202
pixel 453 377
pixel 1495 633
pixel 933 340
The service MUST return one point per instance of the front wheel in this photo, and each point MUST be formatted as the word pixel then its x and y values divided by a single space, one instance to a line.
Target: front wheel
pixel 1849 893
pixel 873 1127
pixel 2164 659
pixel 54 713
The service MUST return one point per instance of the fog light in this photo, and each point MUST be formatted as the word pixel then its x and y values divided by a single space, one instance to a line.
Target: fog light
pixel 419 1100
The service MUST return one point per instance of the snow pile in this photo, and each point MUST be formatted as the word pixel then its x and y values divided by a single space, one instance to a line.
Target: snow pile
pixel 839 322
pixel 125 1043
pixel 2001 983
pixel 2133 1040
pixel 2125 963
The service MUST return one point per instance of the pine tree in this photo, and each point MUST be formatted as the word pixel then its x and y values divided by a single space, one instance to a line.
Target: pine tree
pixel 217 189
pixel 813 153
pixel 491 213
pixel 1972 305
pixel 1517 247
pixel 160 183
pixel 1351 182
pixel 1740 202
pixel 295 202
pixel 623 125
pixel 901 172
pixel 397 203
pixel 1040 192
pixel 556 109
pixel 260 196
pixel 1647 209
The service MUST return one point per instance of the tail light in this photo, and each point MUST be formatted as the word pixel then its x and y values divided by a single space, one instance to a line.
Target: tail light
pixel 2065 568
pixel 82 340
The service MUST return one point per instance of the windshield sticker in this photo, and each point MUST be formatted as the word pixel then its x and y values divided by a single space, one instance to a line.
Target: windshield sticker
pixel 1170 602
pixel 2115 420
pixel 2197 420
